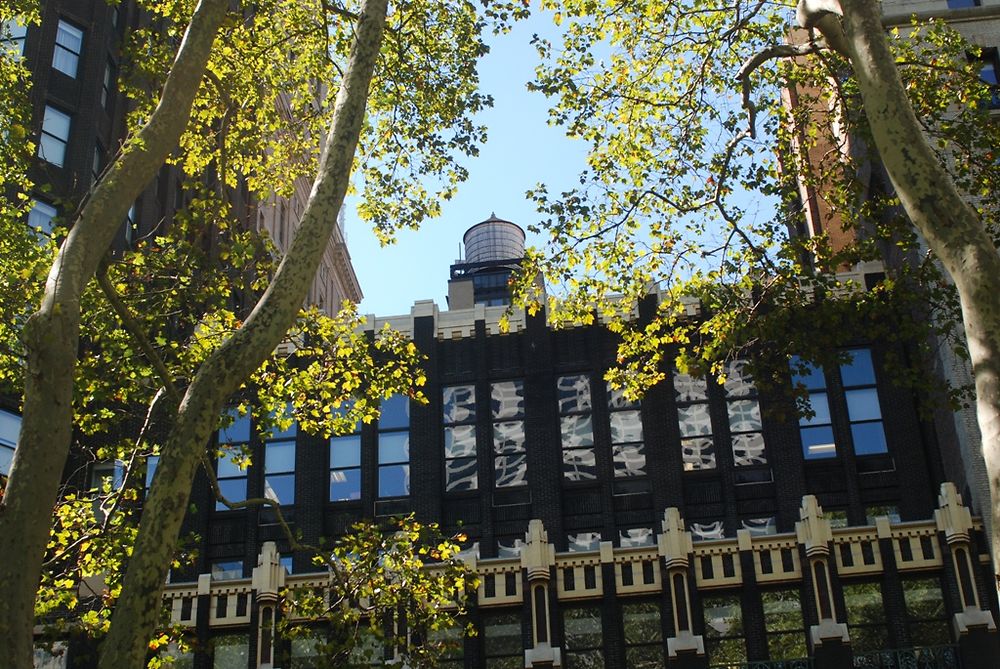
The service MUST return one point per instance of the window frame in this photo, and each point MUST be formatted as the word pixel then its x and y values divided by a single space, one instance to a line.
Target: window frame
pixel 466 425
pixel 66 50
pixel 47 132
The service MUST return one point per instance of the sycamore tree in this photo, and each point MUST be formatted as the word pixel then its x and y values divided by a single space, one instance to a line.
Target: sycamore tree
pixel 141 353
pixel 696 167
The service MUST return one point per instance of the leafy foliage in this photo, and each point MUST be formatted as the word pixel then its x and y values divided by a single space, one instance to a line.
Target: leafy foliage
pixel 695 182
pixel 161 306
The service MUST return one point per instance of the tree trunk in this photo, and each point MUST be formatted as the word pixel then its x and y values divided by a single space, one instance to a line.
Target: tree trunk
pixel 52 334
pixel 948 224
pixel 138 610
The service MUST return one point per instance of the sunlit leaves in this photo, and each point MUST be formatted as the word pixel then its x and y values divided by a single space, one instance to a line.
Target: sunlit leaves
pixel 680 197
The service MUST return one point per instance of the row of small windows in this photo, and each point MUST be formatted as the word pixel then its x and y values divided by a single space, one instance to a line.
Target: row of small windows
pixel 639 624
pixel 575 404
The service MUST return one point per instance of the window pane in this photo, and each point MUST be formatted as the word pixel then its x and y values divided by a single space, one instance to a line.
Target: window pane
pixel 820 406
pixel 459 404
pixel 52 150
pixel 629 460
pixel 923 598
pixel 345 451
pixel 644 657
pixel 817 442
pixel 859 371
pixel 865 616
pixel 6 458
pixel 708 531
pixel 723 616
pixel 690 389
pixel 617 400
pixel 395 413
pixel 576 431
pixel 507 399
pixel 232 651
pixel 394 480
pixel 227 467
pixel 574 393
pixel 502 632
pixel 151 463
pixel 782 610
pixel 579 464
pixel 236 432
pixel 584 541
pixel 738 380
pixel 41 215
pixel 641 622
pixel 510 470
pixel 227 569
pixel 626 426
pixel 508 437
pixel 461 474
pixel 698 453
pixel 280 488
pixel 279 457
pixel 10 427
pixel 345 484
pixel 393 447
pixel 635 536
pixel 759 526
pixel 694 420
pixel 862 404
pixel 234 490
pixel 460 441
pixel 744 415
pixel 56 123
pixel 583 627
pixel 811 378
pixel 869 438
pixel 748 449
pixel 69 42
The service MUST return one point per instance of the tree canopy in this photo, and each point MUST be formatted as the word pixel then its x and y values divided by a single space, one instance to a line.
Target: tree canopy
pixel 135 353
pixel 707 121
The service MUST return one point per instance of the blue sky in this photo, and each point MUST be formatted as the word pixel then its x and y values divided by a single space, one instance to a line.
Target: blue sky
pixel 522 150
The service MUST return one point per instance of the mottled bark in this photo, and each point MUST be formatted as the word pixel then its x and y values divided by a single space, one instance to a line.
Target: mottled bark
pixel 52 333
pixel 948 224
pixel 138 610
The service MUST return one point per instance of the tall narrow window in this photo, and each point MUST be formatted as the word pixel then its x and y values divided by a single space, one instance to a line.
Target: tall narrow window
pixel 69 43
pixel 628 451
pixel 744 416
pixel 279 466
pixel 108 85
pixel 786 638
pixel 643 635
pixel 14 32
pixel 394 447
pixel 41 215
pixel 858 376
pixel 725 642
pixel 510 461
pixel 815 430
pixel 231 471
pixel 576 427
pixel 345 468
pixel 695 422
pixel 460 463
pixel 10 428
pixel 152 462
pixel 130 226
pixel 54 137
